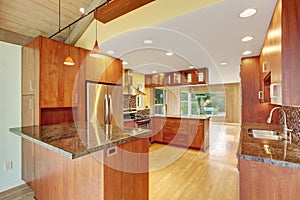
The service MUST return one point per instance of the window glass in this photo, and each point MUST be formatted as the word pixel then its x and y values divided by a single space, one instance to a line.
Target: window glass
pixel 204 104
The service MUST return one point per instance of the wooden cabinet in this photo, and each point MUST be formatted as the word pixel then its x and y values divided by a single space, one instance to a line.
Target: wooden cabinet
pixel 156 125
pixel 252 110
pixel 31 67
pixel 129 124
pixel 191 133
pixel 60 89
pixel 267 181
pixel 56 79
pixel 184 77
pixel 28 110
pixel 104 69
pixel 280 54
pixel 123 175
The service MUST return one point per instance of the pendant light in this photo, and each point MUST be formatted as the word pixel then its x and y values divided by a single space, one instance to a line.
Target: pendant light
pixel 96 50
pixel 69 60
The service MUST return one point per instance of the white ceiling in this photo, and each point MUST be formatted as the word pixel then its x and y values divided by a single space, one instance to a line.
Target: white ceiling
pixel 203 38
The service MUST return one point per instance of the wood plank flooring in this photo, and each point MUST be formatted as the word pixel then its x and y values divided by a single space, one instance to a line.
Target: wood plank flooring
pixel 180 174
pixel 192 175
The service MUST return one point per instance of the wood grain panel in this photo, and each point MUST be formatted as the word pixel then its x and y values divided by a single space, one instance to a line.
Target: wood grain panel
pixel 14 38
pixel 41 17
pixel 117 8
pixel 252 110
pixel 56 115
pixel 132 181
pixel 57 177
pixel 290 52
pixel 266 181
pixel 28 165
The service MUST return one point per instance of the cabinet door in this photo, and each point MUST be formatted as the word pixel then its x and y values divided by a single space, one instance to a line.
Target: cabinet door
pixel 30 67
pixel 156 129
pixel 95 68
pixel 56 79
pixel 114 71
pixel 104 69
pixel 28 110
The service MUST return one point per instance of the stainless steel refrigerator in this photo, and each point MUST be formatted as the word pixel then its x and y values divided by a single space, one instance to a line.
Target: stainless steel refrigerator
pixel 104 104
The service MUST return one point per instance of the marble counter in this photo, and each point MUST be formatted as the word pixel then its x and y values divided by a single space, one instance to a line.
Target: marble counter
pixel 280 153
pixel 76 140
pixel 204 117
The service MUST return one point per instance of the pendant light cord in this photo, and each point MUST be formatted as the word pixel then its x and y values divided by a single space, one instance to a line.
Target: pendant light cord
pixel 58 15
pixel 77 20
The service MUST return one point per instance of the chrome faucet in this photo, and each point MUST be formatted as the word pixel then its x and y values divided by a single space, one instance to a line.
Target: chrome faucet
pixel 285 128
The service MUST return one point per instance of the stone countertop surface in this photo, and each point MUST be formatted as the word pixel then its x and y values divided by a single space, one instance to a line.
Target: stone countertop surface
pixel 183 117
pixel 74 140
pixel 280 153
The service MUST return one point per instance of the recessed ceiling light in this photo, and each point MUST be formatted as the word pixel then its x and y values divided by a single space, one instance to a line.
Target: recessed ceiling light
pixel 191 67
pixel 169 54
pixel 82 10
pixel 247 52
pixel 125 63
pixel 153 72
pixel 110 52
pixel 148 41
pixel 223 63
pixel 247 38
pixel 248 13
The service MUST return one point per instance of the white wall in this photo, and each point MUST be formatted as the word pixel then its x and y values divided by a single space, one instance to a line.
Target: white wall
pixel 10 113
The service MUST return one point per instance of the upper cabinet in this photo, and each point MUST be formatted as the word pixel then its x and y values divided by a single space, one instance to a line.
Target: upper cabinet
pixel 58 81
pixel 184 77
pixel 58 90
pixel 104 69
pixel 280 56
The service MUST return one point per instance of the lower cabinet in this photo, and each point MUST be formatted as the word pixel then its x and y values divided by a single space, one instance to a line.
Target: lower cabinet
pixel 129 124
pixel 266 181
pixel 191 133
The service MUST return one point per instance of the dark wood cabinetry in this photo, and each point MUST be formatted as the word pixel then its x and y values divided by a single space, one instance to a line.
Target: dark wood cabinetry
pixel 59 90
pixel 184 77
pixel 267 181
pixel 191 133
pixel 253 111
pixel 280 55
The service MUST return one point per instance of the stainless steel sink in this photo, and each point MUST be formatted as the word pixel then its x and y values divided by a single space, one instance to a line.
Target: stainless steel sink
pixel 265 134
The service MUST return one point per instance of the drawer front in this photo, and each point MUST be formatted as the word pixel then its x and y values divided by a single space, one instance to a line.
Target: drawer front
pixel 178 139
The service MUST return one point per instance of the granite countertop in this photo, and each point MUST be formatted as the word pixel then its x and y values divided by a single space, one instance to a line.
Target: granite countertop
pixel 183 117
pixel 74 140
pixel 280 153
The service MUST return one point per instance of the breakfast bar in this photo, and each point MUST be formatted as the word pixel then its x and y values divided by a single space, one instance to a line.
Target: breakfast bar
pixel 59 159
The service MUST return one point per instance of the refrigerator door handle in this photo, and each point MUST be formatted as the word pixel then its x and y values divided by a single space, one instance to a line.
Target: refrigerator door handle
pixel 106 110
pixel 110 108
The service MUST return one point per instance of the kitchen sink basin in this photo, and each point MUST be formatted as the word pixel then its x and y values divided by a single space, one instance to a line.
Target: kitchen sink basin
pixel 265 134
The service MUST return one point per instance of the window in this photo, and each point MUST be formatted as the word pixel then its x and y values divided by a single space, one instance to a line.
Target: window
pixel 160 101
pixel 213 104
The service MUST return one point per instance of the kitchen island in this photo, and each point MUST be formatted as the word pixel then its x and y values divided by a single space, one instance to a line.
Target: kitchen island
pixel 85 161
pixel 184 131
pixel 269 169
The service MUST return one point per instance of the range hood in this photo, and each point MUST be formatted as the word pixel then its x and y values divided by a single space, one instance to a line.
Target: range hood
pixel 128 84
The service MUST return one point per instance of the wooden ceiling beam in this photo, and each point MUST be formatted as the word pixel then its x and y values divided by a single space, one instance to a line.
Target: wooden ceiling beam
pixel 117 8
pixel 14 38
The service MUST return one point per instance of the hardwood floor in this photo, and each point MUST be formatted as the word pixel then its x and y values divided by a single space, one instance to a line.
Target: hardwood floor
pixel 182 174
pixel 187 174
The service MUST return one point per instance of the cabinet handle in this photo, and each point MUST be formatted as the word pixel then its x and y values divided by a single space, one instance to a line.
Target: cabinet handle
pixel 31 85
pixel 30 103
pixel 75 98
pixel 260 94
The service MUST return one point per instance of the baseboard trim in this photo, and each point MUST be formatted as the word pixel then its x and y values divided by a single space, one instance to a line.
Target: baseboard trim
pixel 12 185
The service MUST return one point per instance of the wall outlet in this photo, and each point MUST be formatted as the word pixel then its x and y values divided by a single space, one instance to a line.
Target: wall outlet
pixel 8 165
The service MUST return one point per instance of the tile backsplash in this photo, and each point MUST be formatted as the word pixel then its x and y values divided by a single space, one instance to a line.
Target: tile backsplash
pixel 129 101
pixel 292 119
